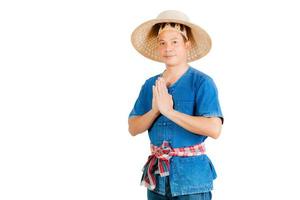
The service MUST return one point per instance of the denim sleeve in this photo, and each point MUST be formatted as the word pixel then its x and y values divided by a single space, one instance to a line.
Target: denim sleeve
pixel 140 105
pixel 207 101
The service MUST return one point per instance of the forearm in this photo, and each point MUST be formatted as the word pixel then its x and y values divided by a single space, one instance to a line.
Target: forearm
pixel 139 124
pixel 208 126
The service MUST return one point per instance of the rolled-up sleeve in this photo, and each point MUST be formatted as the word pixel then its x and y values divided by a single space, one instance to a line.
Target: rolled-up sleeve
pixel 140 106
pixel 207 101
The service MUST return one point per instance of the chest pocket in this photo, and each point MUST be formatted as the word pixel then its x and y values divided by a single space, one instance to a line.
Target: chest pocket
pixel 186 107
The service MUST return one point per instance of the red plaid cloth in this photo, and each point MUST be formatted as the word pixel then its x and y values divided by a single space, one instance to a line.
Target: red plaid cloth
pixel 159 161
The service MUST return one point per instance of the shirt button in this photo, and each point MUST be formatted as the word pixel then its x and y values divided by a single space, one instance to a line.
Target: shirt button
pixel 164 123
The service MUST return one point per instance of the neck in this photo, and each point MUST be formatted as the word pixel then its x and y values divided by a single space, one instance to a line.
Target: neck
pixel 175 70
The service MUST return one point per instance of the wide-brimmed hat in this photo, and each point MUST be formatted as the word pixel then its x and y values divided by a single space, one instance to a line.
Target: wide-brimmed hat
pixel 144 37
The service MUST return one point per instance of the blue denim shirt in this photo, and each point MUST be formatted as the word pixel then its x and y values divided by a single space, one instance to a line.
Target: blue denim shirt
pixel 194 93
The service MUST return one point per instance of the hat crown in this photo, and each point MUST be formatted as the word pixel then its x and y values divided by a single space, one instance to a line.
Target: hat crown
pixel 173 14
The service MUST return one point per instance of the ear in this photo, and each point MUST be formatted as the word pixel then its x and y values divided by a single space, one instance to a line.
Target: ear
pixel 188 45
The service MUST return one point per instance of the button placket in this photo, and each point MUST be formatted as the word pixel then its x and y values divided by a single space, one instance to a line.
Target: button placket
pixel 167 133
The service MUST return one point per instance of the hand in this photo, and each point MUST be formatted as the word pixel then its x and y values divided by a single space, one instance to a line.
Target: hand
pixel 163 99
pixel 154 102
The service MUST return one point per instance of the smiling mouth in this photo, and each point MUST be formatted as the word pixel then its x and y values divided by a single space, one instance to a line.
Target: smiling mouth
pixel 169 56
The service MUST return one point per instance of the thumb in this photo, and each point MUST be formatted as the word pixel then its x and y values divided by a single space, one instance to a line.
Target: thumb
pixel 153 92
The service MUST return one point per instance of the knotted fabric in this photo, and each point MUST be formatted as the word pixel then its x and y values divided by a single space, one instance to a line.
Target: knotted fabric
pixel 159 161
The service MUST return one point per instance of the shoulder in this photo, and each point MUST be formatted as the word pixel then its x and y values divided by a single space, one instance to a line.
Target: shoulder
pixel 146 87
pixel 200 78
pixel 151 80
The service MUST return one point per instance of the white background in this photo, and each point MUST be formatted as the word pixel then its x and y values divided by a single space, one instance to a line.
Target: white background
pixel 69 77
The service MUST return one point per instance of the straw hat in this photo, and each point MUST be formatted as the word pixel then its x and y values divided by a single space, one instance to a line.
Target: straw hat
pixel 144 37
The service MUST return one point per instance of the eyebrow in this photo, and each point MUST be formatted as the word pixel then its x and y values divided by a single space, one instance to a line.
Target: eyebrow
pixel 174 38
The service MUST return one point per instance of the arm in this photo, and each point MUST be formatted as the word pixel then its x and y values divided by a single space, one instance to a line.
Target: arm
pixel 139 124
pixel 208 126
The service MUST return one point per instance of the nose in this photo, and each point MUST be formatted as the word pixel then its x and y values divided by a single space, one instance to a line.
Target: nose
pixel 169 47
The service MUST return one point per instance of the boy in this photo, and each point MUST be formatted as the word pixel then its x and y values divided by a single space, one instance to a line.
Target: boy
pixel 179 108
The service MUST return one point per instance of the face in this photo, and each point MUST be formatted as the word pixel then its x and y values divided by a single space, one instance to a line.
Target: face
pixel 172 48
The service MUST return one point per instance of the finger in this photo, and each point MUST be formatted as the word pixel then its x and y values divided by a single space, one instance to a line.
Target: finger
pixel 157 83
pixel 156 92
pixel 163 88
pixel 158 87
pixel 153 91
pixel 164 84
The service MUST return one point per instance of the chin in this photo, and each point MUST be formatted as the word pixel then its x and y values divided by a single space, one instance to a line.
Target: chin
pixel 170 62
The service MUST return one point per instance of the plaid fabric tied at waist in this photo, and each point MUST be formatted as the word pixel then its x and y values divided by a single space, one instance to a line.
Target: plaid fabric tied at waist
pixel 159 161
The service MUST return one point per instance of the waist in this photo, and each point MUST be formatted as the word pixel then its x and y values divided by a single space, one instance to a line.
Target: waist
pixel 159 160
pixel 166 150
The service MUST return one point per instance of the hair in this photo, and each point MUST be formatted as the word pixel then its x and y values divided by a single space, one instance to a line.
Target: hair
pixel 155 29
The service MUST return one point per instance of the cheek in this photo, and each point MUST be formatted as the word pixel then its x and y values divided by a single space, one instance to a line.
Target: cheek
pixel 182 51
pixel 159 49
pixel 160 52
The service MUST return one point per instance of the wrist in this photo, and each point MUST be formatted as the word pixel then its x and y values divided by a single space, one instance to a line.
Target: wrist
pixel 169 113
pixel 155 112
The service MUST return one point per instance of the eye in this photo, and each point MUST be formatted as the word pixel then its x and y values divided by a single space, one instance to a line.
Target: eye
pixel 161 43
pixel 175 42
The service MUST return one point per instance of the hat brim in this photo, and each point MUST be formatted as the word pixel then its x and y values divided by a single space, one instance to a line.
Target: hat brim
pixel 146 43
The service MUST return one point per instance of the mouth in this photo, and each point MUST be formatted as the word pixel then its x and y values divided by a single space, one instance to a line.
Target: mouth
pixel 169 56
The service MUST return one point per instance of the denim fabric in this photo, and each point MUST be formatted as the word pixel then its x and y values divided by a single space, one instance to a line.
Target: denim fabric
pixel 168 196
pixel 194 93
